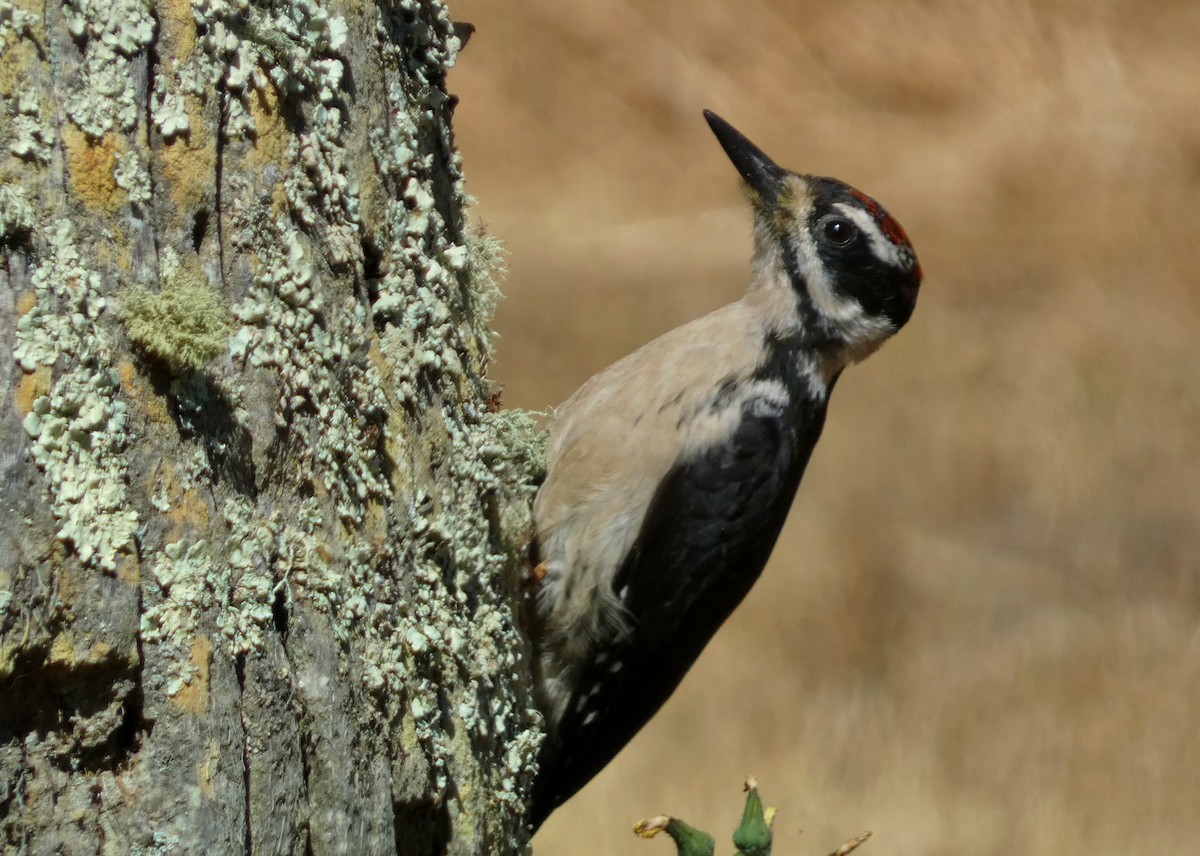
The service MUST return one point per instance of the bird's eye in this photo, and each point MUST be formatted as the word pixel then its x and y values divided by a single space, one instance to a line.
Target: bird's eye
pixel 839 231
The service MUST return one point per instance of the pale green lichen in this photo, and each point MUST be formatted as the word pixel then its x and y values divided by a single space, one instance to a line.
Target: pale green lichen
pixel 412 542
pixel 293 43
pixel 196 471
pixel 132 176
pixel 14 23
pixel 33 135
pixel 463 533
pixel 319 185
pixel 186 324
pixel 78 429
pixel 169 110
pixel 160 500
pixel 251 574
pixel 488 456
pixel 283 328
pixel 518 444
pixel 243 49
pixel 16 215
pixel 263 554
pixel 112 32
pixel 319 182
pixel 183 573
pixel 168 264
pixel 161 844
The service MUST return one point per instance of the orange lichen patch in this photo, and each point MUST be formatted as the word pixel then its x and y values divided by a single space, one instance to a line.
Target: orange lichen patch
pixel 319 491
pixel 372 196
pixel 189 161
pixel 177 29
pixel 373 537
pixel 98 652
pixel 13 72
pixel 190 269
pixel 66 575
pixel 271 136
pixel 193 696
pixel 90 167
pixel 62 651
pixel 129 568
pixel 206 769
pixel 375 526
pixel 20 54
pixel 25 302
pixel 128 374
pixel 30 388
pixel 115 252
pixel 153 406
pixel 188 512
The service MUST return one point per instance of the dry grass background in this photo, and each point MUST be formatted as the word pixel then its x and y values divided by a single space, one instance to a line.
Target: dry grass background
pixel 980 631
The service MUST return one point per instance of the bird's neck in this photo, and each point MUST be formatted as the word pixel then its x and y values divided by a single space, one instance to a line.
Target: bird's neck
pixel 807 373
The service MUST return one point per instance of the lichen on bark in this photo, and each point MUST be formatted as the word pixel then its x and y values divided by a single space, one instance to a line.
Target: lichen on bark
pixel 260 594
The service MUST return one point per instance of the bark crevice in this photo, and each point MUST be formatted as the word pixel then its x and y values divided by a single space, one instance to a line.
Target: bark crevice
pixel 239 668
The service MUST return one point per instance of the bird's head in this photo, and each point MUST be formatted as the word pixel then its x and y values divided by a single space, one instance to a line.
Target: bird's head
pixel 829 260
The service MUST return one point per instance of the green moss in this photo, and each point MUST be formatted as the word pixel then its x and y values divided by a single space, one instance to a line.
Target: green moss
pixel 185 325
pixel 487 264
pixel 519 441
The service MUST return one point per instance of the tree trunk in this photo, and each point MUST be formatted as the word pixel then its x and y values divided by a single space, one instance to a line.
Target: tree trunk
pixel 261 528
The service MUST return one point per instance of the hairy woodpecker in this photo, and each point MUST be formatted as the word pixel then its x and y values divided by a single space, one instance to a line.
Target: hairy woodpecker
pixel 670 473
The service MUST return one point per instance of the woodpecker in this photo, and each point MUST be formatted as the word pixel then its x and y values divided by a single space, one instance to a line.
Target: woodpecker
pixel 670 473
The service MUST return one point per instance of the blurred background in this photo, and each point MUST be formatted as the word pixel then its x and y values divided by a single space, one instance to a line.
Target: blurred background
pixel 980 630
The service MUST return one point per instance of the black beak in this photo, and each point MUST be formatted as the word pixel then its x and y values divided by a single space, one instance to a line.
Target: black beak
pixel 760 172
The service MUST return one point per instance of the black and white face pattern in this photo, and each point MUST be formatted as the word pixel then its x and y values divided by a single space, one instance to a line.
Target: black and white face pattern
pixel 847 259
pixel 853 259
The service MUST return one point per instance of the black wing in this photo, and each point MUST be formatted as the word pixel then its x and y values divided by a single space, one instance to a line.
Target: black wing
pixel 707 534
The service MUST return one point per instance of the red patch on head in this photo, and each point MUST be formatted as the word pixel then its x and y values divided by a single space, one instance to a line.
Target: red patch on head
pixel 892 230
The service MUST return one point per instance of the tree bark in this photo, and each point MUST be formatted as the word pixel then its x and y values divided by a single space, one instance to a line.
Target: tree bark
pixel 261 526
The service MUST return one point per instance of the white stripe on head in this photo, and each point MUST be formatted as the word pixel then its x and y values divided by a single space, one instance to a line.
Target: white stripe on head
pixel 831 305
pixel 861 331
pixel 888 252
